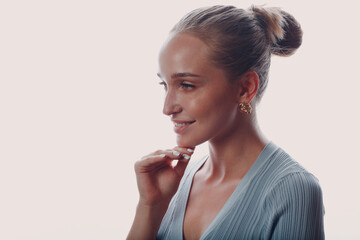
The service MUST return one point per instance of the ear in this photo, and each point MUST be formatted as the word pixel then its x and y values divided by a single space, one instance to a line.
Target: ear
pixel 248 86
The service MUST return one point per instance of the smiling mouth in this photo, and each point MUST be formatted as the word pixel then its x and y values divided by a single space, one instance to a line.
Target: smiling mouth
pixel 183 124
pixel 180 128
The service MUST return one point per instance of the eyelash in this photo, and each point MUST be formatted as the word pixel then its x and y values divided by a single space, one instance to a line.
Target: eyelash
pixel 185 86
pixel 164 84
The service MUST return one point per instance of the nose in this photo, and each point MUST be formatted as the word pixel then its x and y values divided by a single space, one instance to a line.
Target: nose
pixel 171 104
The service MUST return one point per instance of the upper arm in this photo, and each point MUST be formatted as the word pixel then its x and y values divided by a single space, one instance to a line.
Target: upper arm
pixel 296 208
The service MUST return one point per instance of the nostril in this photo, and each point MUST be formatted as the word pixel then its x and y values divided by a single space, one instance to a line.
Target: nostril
pixel 171 109
pixel 177 109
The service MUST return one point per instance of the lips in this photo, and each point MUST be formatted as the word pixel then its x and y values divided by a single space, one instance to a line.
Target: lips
pixel 181 126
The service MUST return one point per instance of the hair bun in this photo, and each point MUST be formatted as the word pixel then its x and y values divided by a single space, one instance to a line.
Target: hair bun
pixel 283 31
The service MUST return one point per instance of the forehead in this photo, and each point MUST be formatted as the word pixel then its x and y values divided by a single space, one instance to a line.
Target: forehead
pixel 186 41
pixel 183 52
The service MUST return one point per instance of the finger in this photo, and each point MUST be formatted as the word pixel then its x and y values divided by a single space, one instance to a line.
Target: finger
pixel 177 153
pixel 184 149
pixel 173 154
pixel 151 162
pixel 158 158
pixel 185 152
pixel 181 166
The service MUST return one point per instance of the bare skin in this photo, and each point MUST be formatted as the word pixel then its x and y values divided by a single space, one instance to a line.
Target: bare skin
pixel 204 107
pixel 214 182
pixel 157 182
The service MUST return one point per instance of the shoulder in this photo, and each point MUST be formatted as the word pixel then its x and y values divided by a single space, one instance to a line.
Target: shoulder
pixel 294 201
pixel 292 183
pixel 281 167
pixel 295 208
pixel 299 185
pixel 284 178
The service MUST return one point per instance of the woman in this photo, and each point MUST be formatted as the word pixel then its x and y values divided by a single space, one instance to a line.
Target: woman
pixel 214 68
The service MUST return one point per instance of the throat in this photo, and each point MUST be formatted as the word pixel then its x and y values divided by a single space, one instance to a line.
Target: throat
pixel 205 202
pixel 233 159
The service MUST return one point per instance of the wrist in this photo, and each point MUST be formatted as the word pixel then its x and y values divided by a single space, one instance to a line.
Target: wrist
pixel 152 208
pixel 147 220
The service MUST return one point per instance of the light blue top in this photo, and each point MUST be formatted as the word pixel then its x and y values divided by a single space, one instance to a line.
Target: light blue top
pixel 276 199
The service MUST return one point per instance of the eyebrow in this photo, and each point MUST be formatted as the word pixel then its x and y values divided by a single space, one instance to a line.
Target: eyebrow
pixel 181 75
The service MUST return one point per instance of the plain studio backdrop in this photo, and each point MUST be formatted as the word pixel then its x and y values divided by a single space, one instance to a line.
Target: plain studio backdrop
pixel 80 103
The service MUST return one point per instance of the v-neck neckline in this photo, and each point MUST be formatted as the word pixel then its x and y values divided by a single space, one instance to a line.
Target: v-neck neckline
pixel 261 159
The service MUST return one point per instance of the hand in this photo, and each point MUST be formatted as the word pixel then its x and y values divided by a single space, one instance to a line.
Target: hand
pixel 157 178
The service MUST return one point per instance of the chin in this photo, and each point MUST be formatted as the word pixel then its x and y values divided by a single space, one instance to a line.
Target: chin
pixel 184 142
pixel 187 142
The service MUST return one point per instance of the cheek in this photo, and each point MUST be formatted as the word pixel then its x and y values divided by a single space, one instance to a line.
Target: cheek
pixel 199 107
pixel 211 106
pixel 203 103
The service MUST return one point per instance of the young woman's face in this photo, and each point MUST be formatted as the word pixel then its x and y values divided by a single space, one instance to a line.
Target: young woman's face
pixel 201 102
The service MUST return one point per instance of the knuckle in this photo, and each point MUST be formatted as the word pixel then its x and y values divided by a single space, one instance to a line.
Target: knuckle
pixel 158 151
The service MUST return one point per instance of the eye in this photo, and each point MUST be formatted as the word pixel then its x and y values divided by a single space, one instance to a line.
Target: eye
pixel 187 86
pixel 164 84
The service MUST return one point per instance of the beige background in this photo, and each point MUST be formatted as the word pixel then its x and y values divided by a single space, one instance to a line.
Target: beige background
pixel 79 103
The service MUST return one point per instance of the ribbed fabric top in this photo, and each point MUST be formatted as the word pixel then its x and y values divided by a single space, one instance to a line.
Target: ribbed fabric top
pixel 276 199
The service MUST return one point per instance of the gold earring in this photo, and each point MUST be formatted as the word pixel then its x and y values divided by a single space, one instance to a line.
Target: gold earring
pixel 245 108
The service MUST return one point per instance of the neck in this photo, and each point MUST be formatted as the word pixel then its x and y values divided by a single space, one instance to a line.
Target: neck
pixel 233 153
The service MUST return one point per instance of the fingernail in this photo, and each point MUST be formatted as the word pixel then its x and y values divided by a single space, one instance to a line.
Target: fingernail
pixel 162 155
pixel 190 150
pixel 176 153
pixel 187 157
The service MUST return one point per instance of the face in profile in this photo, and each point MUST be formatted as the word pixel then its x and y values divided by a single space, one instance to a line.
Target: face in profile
pixel 199 99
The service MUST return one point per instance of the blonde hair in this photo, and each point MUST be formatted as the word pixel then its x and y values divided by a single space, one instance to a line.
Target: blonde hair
pixel 243 40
